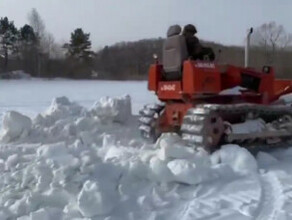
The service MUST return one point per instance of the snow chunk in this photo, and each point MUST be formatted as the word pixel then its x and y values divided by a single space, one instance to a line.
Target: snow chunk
pixel 96 199
pixel 60 108
pixel 286 99
pixel 172 147
pixel 160 171
pixel 19 208
pixel 116 109
pixel 85 124
pixel 189 172
pixel 249 126
pixel 56 152
pixel 233 91
pixel 118 154
pixel 15 125
pixel 46 214
pixel 12 160
pixel 175 161
pixel 239 159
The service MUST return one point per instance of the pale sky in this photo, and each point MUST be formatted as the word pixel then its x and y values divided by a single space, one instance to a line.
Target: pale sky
pixel 110 21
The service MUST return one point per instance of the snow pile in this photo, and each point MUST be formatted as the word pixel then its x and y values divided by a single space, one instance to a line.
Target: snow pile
pixel 67 121
pixel 74 163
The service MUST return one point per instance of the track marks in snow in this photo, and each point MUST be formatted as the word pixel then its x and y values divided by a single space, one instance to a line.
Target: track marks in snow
pixel 272 199
pixel 237 199
pixel 286 183
pixel 263 197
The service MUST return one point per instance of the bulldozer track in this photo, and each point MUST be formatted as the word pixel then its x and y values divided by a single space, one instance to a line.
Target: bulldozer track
pixel 205 125
pixel 148 121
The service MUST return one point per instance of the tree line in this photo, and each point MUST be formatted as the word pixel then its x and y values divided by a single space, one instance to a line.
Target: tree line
pixel 32 49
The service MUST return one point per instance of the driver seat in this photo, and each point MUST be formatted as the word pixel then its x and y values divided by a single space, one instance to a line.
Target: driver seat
pixel 174 53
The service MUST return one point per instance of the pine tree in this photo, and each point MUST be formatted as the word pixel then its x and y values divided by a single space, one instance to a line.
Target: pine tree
pixel 27 34
pixel 79 46
pixel 8 39
pixel 28 49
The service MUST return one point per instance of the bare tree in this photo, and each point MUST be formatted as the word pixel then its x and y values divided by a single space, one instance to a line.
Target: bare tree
pixel 37 23
pixel 48 42
pixel 272 38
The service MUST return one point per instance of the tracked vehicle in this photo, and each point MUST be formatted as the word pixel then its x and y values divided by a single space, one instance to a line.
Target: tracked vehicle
pixel 194 105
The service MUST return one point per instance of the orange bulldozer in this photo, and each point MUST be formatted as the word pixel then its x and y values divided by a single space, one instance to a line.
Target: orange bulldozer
pixel 194 104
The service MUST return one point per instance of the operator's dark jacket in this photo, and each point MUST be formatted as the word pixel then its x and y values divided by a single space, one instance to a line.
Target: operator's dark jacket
pixel 195 50
pixel 193 45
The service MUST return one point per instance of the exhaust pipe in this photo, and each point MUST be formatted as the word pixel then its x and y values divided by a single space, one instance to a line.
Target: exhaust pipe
pixel 246 57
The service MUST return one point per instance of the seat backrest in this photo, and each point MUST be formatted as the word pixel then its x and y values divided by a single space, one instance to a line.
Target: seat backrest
pixel 174 50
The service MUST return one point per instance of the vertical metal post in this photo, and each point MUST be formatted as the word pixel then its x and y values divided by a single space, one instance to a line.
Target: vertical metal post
pixel 246 58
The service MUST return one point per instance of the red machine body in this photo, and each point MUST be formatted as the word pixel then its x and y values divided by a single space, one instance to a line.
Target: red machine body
pixel 202 82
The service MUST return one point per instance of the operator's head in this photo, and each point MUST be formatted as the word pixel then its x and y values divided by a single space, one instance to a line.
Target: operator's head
pixel 190 30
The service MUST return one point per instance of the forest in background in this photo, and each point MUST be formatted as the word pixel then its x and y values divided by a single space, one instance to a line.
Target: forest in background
pixel 32 49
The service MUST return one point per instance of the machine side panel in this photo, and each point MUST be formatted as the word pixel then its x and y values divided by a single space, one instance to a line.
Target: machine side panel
pixel 201 77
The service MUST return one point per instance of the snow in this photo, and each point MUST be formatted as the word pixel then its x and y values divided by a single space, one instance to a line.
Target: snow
pixel 249 126
pixel 73 161
pixel 233 91
pixel 14 125
pixel 96 198
pixel 17 74
pixel 31 97
pixel 287 99
pixel 171 147
pixel 118 109
pixel 239 159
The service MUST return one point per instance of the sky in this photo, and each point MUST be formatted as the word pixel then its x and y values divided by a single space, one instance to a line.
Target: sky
pixel 111 21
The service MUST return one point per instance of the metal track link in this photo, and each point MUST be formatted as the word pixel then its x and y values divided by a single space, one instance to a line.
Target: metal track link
pixel 148 119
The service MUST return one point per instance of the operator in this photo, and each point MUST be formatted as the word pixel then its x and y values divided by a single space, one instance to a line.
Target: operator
pixel 195 50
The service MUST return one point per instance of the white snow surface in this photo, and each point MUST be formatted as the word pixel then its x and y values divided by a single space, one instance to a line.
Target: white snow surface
pixel 33 96
pixel 82 163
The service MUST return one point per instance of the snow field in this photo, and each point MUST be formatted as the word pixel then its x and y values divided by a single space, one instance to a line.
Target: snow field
pixel 72 162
